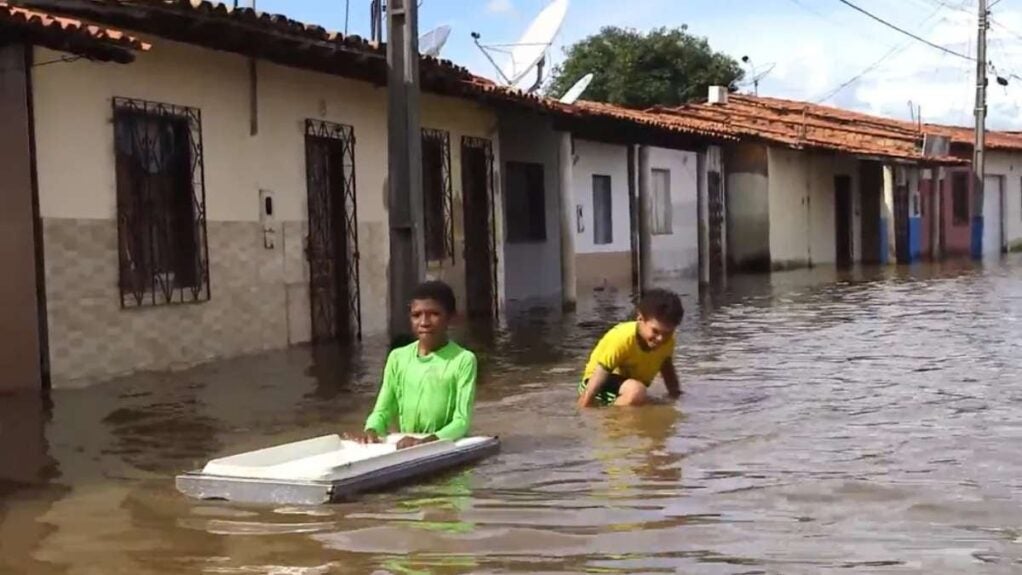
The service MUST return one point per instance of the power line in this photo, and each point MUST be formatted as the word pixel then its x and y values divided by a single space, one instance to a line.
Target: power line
pixel 865 71
pixel 874 65
pixel 906 32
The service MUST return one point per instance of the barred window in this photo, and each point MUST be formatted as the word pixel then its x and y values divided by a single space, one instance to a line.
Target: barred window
pixel 161 215
pixel 437 195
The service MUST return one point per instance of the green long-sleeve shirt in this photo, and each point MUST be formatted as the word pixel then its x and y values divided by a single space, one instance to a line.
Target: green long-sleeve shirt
pixel 429 394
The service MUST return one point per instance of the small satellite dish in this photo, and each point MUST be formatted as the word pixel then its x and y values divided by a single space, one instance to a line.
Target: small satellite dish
pixel 573 93
pixel 529 52
pixel 432 42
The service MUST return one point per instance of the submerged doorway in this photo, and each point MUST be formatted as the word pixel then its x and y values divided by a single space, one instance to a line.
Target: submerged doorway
pixel 480 237
pixel 332 248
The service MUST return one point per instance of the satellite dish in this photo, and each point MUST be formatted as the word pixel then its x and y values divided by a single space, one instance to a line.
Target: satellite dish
pixel 756 74
pixel 576 89
pixel 433 41
pixel 530 50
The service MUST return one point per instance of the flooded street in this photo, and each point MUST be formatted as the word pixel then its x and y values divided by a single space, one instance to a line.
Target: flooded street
pixel 866 421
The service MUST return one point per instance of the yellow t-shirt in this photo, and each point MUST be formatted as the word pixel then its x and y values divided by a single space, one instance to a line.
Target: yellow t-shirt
pixel 620 352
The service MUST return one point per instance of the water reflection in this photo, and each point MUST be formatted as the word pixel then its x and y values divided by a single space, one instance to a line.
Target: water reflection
pixel 860 420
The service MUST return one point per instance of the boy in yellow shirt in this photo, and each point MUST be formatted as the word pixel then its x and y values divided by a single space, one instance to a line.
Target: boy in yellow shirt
pixel 630 355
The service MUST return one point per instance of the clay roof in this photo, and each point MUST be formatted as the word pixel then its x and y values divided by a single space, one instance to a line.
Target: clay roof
pixel 68 34
pixel 582 111
pixel 279 39
pixel 806 125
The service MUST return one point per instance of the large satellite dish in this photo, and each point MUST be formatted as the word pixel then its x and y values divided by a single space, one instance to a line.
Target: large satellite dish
pixel 433 41
pixel 529 52
pixel 573 93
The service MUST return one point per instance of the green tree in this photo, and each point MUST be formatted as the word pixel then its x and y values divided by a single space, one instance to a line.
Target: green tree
pixel 662 67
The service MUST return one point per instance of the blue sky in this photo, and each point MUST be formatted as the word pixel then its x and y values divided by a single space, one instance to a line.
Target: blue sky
pixel 814 46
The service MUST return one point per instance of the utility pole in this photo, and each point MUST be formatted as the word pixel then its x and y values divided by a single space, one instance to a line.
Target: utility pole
pixel 978 154
pixel 404 151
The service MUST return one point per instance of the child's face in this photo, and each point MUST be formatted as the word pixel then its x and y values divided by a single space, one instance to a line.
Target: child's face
pixel 429 319
pixel 654 332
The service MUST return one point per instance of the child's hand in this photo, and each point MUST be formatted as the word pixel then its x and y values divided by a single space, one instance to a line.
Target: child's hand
pixel 366 437
pixel 410 441
pixel 582 402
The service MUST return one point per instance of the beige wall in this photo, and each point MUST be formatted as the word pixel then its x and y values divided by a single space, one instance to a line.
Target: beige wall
pixel 676 255
pixel 801 199
pixel 748 206
pixel 77 197
pixel 1009 165
pixel 532 270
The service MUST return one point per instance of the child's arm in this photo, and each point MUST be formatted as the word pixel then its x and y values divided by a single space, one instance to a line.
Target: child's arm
pixel 463 402
pixel 670 378
pixel 386 402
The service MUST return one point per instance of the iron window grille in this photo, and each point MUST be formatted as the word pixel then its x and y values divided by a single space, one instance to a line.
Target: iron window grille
pixel 437 195
pixel 487 147
pixel 161 204
pixel 321 232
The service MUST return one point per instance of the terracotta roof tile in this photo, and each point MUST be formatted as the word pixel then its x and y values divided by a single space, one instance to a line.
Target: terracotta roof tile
pixel 69 34
pixel 806 125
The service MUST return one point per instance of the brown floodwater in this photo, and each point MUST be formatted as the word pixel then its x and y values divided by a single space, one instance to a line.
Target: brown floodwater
pixel 833 422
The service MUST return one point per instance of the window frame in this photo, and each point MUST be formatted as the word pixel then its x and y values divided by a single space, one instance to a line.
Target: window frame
pixel 533 229
pixel 155 281
pixel 654 228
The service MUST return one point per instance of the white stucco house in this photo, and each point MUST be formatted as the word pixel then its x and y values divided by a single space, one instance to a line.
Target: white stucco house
pixel 225 192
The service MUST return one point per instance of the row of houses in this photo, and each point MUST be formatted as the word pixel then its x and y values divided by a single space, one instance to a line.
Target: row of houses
pixel 185 181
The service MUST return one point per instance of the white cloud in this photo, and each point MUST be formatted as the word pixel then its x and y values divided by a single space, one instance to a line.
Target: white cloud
pixel 499 6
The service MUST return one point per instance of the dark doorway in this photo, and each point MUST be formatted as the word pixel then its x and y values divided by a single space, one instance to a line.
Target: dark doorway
pixel 843 220
pixel 871 185
pixel 715 205
pixel 332 248
pixel 480 241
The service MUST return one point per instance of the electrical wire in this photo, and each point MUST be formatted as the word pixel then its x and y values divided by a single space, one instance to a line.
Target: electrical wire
pixel 906 32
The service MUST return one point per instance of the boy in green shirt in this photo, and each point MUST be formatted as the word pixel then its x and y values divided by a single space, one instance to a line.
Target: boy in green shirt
pixel 428 386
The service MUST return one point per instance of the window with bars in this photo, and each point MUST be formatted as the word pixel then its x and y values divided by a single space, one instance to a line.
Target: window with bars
pixel 437 195
pixel 960 198
pixel 661 208
pixel 161 212
pixel 603 212
pixel 525 203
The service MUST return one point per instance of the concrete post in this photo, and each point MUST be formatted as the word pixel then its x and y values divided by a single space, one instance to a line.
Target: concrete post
pixel 888 248
pixel 645 241
pixel 703 205
pixel 566 162
pixel 404 162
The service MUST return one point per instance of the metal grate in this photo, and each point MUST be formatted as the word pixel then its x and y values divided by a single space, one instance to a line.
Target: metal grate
pixel 437 195
pixel 161 204
pixel 487 147
pixel 332 248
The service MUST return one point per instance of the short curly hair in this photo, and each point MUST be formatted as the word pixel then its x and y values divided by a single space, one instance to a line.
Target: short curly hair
pixel 662 305
pixel 439 292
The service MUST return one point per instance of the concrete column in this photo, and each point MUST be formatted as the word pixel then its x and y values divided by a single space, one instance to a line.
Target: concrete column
pixel 888 249
pixel 645 241
pixel 566 162
pixel 703 206
pixel 936 213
